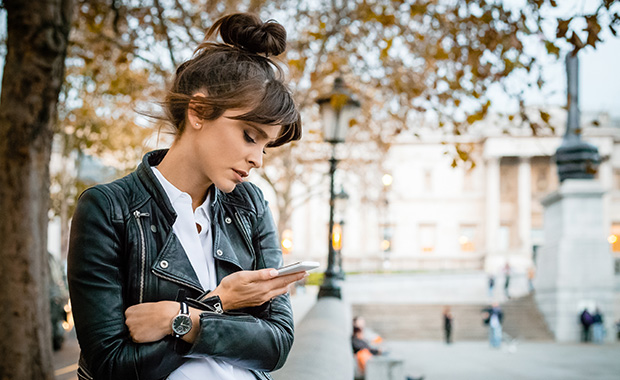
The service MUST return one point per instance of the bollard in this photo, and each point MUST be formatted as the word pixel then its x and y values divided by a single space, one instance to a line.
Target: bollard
pixel 385 368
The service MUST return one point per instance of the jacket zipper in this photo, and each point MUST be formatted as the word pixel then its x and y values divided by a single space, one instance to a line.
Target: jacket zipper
pixel 137 214
pixel 159 274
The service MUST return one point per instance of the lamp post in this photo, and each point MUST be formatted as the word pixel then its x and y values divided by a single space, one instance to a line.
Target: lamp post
pixel 337 109
pixel 575 158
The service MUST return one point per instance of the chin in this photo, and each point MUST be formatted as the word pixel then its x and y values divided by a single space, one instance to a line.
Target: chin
pixel 226 187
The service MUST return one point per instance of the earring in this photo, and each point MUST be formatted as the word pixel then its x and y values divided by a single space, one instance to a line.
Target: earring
pixel 197 124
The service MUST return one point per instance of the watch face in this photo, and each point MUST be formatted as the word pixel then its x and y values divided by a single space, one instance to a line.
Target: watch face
pixel 181 324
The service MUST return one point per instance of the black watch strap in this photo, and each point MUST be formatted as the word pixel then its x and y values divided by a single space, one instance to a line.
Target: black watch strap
pixel 184 308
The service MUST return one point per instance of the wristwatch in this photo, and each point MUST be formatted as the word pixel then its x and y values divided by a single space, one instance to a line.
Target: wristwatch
pixel 182 323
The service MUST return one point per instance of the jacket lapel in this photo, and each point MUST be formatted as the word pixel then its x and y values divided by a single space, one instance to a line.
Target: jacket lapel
pixel 172 264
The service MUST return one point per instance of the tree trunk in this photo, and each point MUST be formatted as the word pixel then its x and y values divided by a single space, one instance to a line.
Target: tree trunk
pixel 37 36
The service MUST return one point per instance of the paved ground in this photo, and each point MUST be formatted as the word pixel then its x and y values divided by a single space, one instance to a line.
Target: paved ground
pixel 65 360
pixel 476 360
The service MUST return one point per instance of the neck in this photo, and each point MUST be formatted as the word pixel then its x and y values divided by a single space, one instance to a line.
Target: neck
pixel 178 168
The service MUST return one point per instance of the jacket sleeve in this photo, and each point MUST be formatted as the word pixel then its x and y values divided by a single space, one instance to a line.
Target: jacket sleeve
pixel 96 283
pixel 259 343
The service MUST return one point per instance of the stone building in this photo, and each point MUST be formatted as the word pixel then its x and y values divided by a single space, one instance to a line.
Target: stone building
pixel 433 216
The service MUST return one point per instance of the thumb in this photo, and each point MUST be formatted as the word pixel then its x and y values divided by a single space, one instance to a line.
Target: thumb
pixel 266 274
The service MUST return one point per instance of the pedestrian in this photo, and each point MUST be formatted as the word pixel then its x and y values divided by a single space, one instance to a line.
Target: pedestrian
pixel 491 284
pixel 448 318
pixel 363 350
pixel 171 267
pixel 586 322
pixel 493 317
pixel 370 335
pixel 507 272
pixel 531 273
pixel 598 329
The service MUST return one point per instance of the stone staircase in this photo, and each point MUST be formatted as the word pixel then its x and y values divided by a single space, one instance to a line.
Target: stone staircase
pixel 522 320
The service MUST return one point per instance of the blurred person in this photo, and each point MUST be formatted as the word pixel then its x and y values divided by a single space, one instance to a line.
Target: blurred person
pixel 586 320
pixel 370 335
pixel 598 329
pixel 448 319
pixel 493 317
pixel 507 273
pixel 531 273
pixel 171 268
pixel 491 284
pixel 364 351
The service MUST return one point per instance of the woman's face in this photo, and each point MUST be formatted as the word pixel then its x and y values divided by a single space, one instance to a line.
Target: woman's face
pixel 227 149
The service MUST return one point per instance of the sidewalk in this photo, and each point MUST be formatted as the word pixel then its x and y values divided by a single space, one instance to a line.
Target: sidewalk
pixel 476 360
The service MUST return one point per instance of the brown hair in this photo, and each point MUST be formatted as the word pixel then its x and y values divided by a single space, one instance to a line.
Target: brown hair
pixel 237 74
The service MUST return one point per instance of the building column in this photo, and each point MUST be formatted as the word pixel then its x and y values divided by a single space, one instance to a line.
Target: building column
pixel 492 204
pixel 606 179
pixel 525 205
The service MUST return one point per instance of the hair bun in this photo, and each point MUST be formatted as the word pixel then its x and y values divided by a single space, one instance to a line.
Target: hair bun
pixel 248 32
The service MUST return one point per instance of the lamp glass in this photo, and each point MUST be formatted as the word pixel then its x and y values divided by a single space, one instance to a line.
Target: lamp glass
pixel 330 121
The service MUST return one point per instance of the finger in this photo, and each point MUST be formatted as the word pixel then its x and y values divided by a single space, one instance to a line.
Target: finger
pixel 266 274
pixel 277 292
pixel 291 278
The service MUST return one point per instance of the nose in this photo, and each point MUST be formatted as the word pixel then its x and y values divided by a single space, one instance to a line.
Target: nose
pixel 256 157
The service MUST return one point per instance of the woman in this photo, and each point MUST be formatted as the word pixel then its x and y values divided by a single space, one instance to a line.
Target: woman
pixel 171 268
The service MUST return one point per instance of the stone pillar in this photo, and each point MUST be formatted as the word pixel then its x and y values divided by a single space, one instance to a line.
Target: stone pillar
pixel 525 206
pixel 606 178
pixel 492 204
pixel 575 266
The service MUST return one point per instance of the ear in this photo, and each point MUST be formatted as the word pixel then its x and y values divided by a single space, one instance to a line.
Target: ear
pixel 193 117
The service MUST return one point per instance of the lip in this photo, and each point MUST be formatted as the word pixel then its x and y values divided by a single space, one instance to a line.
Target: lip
pixel 240 174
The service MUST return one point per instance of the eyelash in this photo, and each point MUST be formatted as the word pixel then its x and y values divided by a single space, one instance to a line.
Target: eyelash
pixel 250 140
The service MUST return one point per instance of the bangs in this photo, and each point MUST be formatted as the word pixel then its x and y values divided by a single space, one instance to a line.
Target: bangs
pixel 276 107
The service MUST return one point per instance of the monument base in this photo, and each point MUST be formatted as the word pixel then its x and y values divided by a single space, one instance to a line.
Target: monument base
pixel 575 265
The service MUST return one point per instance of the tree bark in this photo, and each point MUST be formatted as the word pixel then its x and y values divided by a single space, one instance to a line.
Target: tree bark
pixel 37 36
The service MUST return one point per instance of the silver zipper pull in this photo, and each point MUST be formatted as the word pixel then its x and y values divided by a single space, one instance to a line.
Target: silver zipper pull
pixel 137 214
pixel 218 308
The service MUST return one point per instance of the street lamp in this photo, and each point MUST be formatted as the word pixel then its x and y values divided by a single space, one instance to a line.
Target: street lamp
pixel 337 109
pixel 575 158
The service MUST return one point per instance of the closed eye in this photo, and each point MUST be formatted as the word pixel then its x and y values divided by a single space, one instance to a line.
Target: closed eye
pixel 248 138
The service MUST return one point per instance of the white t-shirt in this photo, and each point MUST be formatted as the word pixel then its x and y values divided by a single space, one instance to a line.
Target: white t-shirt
pixel 199 249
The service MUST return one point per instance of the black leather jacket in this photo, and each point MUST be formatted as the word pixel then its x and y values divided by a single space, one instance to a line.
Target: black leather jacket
pixel 123 252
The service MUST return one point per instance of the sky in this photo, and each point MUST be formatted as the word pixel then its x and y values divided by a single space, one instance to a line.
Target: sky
pixel 600 78
pixel 599 74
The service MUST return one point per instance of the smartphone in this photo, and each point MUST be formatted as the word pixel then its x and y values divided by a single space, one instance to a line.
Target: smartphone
pixel 299 266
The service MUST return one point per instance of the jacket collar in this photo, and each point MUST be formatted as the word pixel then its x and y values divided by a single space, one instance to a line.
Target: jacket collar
pixel 152 185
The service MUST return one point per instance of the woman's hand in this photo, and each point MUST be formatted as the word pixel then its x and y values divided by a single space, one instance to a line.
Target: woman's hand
pixel 253 288
pixel 151 321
